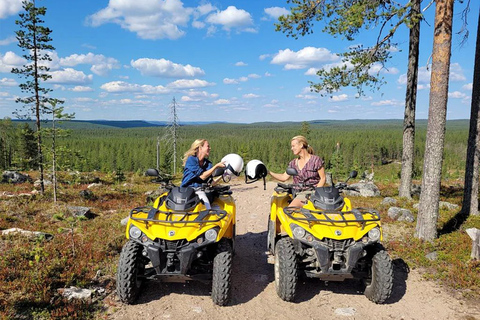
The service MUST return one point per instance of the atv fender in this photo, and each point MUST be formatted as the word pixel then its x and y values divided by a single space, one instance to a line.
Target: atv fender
pixel 271 236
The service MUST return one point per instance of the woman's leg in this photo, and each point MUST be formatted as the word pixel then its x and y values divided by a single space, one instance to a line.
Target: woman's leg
pixel 203 196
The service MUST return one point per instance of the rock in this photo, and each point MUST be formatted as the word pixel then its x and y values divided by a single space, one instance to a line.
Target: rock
pixel 400 214
pixel 432 256
pixel 78 211
pixel 15 177
pixel 27 233
pixel 345 311
pixel 388 201
pixel 46 183
pixel 448 205
pixel 416 190
pixel 75 293
pixel 87 194
pixel 93 185
pixel 364 189
pixel 442 205
pixel 124 221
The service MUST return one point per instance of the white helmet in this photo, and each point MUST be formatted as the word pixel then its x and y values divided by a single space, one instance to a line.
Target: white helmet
pixel 255 170
pixel 233 164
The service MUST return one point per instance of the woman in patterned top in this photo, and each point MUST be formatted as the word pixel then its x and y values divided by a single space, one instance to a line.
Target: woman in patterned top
pixel 309 167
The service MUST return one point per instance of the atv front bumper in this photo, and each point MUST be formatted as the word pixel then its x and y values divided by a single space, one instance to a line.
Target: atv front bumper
pixel 172 261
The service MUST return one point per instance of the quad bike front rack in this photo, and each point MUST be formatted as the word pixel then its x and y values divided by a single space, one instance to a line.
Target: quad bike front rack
pixel 201 218
pixel 309 215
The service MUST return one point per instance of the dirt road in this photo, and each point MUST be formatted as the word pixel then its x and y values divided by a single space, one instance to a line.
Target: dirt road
pixel 254 295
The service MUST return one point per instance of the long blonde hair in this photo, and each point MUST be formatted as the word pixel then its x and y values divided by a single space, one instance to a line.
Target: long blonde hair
pixel 304 143
pixel 193 149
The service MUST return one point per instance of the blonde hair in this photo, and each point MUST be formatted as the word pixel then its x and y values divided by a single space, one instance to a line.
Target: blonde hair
pixel 193 149
pixel 303 141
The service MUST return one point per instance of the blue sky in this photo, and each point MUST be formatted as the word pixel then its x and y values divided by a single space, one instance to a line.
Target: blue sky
pixel 220 60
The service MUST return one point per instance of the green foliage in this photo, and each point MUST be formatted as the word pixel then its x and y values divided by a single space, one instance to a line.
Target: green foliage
pixel 34 39
pixel 347 18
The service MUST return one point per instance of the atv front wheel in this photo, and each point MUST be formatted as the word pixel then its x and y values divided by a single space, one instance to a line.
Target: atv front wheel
pixel 222 269
pixel 380 283
pixel 130 271
pixel 286 273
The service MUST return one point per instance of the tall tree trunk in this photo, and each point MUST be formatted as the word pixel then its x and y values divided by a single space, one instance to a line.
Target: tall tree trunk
pixel 432 167
pixel 37 106
pixel 410 105
pixel 470 193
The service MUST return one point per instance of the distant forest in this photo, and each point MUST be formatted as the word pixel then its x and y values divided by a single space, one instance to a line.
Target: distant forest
pixel 132 146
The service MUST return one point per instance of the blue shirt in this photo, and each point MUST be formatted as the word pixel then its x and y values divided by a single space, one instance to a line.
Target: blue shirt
pixel 193 170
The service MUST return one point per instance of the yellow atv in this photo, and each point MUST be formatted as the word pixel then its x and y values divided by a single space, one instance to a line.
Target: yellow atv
pixel 178 240
pixel 326 239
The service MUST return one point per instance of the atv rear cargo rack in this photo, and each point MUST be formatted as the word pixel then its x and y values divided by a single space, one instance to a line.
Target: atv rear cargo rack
pixel 308 214
pixel 201 218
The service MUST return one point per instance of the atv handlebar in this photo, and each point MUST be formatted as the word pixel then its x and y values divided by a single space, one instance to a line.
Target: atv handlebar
pixel 293 188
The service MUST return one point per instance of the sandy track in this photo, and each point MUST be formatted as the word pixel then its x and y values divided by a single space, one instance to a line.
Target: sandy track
pixel 254 295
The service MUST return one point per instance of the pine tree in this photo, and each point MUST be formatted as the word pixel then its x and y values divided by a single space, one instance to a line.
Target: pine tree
pixel 28 148
pixel 34 40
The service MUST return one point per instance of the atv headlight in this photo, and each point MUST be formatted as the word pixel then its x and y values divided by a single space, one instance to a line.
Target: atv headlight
pixel 298 232
pixel 374 234
pixel 211 235
pixel 134 232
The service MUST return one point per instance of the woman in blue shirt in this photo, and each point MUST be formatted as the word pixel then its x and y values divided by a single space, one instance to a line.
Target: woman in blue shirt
pixel 197 168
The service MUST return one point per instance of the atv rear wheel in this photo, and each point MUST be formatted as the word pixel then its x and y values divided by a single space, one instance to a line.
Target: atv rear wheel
pixel 222 269
pixel 379 285
pixel 286 273
pixel 130 271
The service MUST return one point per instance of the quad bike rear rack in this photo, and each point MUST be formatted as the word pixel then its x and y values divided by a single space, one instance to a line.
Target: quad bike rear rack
pixel 201 218
pixel 358 213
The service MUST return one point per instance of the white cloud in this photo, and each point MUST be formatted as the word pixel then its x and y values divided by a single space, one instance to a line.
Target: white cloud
pixel 230 81
pixel 165 68
pixel 378 68
pixel 196 83
pixel 341 97
pixel 222 102
pixel 456 72
pixel 7 82
pixel 8 40
pixel 468 86
pixel 10 60
pixel 124 87
pixel 306 96
pixel 232 18
pixel 148 19
pixel 275 12
pixel 311 72
pixel 70 76
pixel 424 73
pixel 254 76
pixel 391 102
pixel 81 89
pixel 101 65
pixel 306 57
pixel 250 96
pixel 241 64
pixel 457 95
pixel 9 8
pixel 264 56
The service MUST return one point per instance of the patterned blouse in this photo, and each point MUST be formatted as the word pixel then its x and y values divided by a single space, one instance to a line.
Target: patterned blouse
pixel 309 173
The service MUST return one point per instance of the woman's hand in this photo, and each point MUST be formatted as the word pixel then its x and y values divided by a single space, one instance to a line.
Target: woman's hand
pixel 219 165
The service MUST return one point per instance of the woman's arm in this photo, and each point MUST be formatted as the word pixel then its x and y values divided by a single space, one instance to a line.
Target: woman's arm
pixel 279 176
pixel 209 172
pixel 321 173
